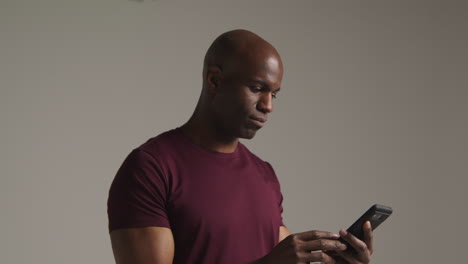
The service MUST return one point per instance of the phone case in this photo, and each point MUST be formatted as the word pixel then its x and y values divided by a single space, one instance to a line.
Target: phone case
pixel 376 215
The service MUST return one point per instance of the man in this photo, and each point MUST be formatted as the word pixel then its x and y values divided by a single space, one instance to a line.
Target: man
pixel 195 194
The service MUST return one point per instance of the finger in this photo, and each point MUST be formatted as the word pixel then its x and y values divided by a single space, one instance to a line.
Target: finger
pixel 368 236
pixel 348 256
pixel 316 234
pixel 358 245
pixel 321 257
pixel 334 255
pixel 322 244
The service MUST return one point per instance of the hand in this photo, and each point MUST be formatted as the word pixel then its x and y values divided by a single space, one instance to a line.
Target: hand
pixel 362 249
pixel 296 249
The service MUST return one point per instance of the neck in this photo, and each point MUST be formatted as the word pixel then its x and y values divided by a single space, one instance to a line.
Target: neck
pixel 205 134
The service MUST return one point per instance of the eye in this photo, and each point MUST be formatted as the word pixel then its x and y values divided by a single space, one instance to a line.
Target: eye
pixel 255 89
pixel 273 95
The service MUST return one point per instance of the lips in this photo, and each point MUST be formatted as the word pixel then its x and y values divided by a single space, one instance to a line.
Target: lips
pixel 258 121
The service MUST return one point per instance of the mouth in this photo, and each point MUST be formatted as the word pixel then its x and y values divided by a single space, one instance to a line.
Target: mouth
pixel 257 121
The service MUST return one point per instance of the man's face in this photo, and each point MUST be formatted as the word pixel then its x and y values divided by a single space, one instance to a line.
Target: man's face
pixel 245 96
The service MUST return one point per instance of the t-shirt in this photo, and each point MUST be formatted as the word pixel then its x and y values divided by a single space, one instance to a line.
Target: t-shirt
pixel 222 208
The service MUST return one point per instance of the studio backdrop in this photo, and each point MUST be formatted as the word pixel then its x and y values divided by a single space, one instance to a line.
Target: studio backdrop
pixel 372 109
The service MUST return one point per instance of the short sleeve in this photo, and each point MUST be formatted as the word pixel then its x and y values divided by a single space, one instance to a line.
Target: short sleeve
pixel 279 195
pixel 138 194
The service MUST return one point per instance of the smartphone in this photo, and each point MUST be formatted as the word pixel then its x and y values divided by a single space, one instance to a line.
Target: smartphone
pixel 376 215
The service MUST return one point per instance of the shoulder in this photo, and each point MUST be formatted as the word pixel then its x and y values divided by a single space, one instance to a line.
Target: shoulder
pixel 159 144
pixel 246 152
pixel 263 164
pixel 151 155
pixel 158 149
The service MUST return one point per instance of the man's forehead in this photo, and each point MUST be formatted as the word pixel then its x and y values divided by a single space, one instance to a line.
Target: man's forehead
pixel 263 65
pixel 267 79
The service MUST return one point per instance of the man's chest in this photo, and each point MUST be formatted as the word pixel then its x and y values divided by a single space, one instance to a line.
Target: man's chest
pixel 220 198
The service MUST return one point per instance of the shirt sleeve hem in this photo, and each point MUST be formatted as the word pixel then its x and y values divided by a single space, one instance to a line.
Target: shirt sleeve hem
pixel 139 225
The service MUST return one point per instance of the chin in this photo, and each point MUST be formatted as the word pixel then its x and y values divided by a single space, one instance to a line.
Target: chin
pixel 248 134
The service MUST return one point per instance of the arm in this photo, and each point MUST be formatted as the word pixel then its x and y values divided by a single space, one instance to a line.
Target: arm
pixel 283 233
pixel 143 245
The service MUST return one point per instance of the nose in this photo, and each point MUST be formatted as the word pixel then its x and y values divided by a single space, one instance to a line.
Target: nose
pixel 265 104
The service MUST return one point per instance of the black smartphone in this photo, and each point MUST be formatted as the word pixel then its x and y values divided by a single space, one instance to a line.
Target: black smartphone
pixel 376 215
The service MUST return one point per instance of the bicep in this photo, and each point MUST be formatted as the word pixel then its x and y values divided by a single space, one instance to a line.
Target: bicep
pixel 283 233
pixel 143 245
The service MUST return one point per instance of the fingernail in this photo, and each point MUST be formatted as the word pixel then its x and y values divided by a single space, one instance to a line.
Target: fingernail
pixel 335 235
pixel 343 232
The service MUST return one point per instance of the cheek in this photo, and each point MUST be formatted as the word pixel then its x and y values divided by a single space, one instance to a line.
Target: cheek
pixel 248 99
pixel 227 107
pixel 236 105
pixel 245 107
pixel 240 102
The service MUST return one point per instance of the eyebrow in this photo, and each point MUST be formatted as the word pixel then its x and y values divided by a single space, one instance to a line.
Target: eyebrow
pixel 264 84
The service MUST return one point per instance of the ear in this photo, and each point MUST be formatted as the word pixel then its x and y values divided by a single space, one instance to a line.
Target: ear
pixel 214 75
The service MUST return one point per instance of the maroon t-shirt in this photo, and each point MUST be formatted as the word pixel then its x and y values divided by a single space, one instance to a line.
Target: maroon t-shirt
pixel 222 208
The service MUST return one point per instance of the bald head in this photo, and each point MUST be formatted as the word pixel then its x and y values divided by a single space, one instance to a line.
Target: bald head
pixel 242 75
pixel 236 49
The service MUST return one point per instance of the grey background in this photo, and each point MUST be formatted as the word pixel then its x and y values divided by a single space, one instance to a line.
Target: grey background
pixel 373 110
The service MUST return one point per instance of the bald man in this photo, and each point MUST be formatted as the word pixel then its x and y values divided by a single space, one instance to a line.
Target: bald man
pixel 195 194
